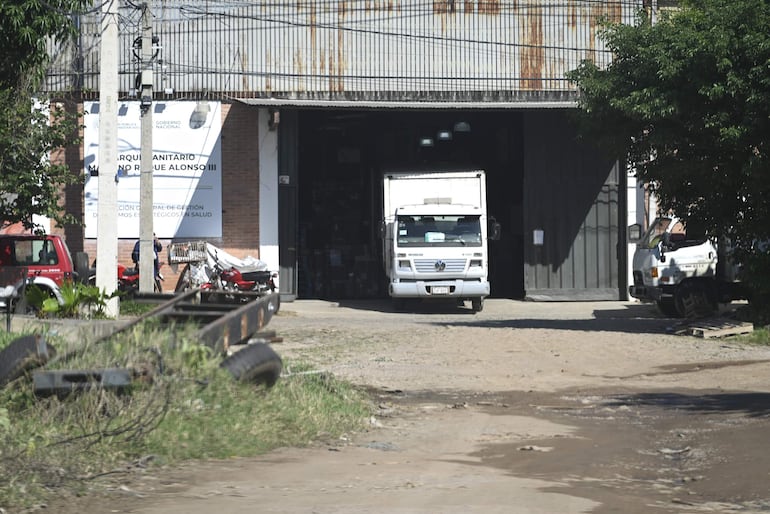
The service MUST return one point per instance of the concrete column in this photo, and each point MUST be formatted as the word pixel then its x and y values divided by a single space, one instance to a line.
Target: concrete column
pixel 107 223
pixel 268 189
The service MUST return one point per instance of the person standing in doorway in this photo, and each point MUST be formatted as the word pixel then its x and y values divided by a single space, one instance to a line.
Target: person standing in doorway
pixel 157 247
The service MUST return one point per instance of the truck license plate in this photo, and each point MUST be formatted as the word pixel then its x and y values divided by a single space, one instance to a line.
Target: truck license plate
pixel 440 290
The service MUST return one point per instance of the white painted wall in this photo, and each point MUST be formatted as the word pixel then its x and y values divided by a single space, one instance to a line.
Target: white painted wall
pixel 268 192
pixel 635 202
pixel 641 210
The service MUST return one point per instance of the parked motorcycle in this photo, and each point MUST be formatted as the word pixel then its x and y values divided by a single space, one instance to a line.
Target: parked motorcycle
pixel 233 279
pixel 212 269
pixel 128 279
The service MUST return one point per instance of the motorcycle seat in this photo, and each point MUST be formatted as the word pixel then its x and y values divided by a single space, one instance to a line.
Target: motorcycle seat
pixel 256 276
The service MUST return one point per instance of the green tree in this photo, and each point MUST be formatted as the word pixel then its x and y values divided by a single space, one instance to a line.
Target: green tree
pixel 688 101
pixel 29 183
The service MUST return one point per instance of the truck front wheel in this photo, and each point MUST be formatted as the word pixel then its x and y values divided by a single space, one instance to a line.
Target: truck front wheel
pixel 477 304
pixel 667 307
pixel 694 301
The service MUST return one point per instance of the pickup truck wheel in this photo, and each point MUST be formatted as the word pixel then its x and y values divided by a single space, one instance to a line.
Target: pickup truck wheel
pixel 667 307
pixel 23 354
pixel 693 301
pixel 477 304
pixel 257 363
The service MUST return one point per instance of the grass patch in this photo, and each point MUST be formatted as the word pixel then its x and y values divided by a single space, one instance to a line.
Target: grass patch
pixel 181 406
pixel 760 336
pixel 129 307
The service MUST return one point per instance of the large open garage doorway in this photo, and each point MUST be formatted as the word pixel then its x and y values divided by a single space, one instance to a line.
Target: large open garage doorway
pixel 341 156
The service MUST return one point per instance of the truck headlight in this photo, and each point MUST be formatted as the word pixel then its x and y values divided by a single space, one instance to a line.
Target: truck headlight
pixel 404 264
pixel 475 263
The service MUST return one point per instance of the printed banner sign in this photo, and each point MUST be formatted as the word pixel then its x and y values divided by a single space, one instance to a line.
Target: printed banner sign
pixel 186 163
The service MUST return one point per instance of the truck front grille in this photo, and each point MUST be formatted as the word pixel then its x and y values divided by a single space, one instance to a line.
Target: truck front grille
pixel 439 265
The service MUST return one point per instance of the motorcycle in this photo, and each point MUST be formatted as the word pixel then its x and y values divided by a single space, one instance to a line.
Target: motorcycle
pixel 233 279
pixel 128 280
pixel 212 269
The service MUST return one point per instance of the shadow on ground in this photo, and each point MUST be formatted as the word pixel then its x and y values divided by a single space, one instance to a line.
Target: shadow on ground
pixel 631 318
pixel 747 403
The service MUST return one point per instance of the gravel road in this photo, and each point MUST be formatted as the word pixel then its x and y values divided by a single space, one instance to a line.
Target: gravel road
pixel 523 408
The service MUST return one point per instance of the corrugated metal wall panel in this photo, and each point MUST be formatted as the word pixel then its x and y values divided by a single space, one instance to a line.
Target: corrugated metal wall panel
pixel 571 194
pixel 407 49
pixel 288 187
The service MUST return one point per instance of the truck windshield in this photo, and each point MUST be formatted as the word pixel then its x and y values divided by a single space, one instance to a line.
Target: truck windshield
pixel 447 230
pixel 660 226
pixel 655 232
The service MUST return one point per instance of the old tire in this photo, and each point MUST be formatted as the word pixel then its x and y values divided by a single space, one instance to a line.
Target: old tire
pixel 257 363
pixel 693 301
pixel 667 307
pixel 22 355
pixel 477 304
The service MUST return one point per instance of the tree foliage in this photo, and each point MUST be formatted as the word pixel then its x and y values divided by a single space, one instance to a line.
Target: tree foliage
pixel 29 183
pixel 687 99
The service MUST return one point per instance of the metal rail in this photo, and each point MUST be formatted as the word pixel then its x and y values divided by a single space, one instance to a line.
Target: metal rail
pixel 224 318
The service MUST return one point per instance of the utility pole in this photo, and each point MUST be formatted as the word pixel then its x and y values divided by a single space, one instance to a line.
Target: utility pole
pixel 146 240
pixel 107 223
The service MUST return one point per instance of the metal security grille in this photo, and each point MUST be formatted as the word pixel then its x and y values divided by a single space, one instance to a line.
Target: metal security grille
pixel 430 265
pixel 413 50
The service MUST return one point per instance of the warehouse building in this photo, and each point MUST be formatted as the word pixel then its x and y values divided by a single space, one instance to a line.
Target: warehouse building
pixel 273 123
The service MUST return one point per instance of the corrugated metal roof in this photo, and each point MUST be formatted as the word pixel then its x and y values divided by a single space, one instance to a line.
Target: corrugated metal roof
pixel 397 51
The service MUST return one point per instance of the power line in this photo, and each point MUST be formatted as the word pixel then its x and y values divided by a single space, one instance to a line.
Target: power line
pixel 496 57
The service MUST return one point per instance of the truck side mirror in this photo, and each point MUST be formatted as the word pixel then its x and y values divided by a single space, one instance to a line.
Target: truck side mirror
pixel 635 233
pixel 494 230
pixel 665 241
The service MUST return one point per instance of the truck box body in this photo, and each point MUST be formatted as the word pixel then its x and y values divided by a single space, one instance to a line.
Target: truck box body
pixel 435 235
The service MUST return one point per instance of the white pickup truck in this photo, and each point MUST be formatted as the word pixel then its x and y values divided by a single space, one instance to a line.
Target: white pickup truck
pixel 685 273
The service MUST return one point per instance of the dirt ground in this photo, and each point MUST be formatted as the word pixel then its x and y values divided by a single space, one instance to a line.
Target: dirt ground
pixel 522 408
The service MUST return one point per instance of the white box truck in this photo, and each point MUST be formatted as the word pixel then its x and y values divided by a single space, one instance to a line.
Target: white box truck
pixel 435 231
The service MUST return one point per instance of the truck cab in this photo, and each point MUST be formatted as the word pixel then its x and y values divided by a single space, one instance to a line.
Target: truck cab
pixel 46 258
pixel 681 269
pixel 435 237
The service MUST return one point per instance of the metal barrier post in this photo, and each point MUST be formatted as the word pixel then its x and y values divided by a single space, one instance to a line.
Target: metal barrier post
pixel 13 280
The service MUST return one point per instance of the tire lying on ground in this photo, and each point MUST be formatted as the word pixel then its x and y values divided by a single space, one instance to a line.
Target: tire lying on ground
pixel 256 363
pixel 22 355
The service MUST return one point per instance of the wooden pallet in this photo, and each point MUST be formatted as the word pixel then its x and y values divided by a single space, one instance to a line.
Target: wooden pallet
pixel 718 327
